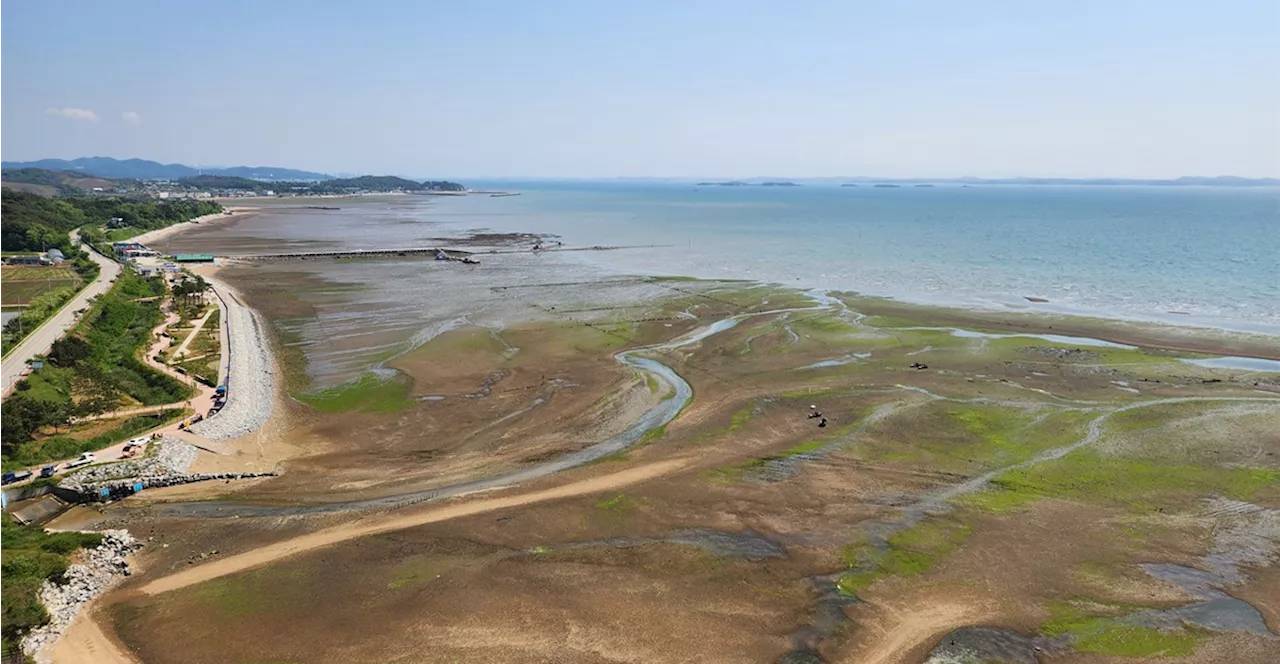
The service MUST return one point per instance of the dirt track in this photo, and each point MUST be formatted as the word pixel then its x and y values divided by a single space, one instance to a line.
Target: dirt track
pixel 85 641
pixel 330 536
pixel 905 630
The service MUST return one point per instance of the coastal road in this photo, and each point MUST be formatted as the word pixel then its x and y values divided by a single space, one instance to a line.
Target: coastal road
pixel 41 340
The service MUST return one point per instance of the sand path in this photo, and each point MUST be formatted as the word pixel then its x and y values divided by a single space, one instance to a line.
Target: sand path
pixel 85 641
pixel 400 521
pixel 904 630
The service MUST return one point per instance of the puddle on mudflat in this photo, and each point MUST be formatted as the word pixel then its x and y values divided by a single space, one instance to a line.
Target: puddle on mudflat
pixel 1215 609
pixel 826 617
pixel 990 644
pixel 747 545
pixel 1240 363
pixel 839 361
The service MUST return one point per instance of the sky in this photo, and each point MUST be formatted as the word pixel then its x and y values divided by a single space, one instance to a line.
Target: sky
pixel 1114 88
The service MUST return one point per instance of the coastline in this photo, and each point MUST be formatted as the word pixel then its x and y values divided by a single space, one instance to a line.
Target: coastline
pixel 228 214
pixel 89 627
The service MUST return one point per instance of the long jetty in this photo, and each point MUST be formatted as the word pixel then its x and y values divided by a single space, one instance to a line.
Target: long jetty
pixel 424 251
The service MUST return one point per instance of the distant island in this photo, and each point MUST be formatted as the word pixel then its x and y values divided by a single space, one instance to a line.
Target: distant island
pixel 888 186
pixel 739 183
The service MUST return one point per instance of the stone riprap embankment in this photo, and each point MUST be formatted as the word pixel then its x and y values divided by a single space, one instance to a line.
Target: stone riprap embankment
pixel 250 395
pixel 166 464
pixel 166 457
pixel 103 566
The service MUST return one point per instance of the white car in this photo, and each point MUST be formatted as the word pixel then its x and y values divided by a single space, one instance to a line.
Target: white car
pixel 140 440
pixel 84 460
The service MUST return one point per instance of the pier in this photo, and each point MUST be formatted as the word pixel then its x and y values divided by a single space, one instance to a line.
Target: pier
pixel 430 252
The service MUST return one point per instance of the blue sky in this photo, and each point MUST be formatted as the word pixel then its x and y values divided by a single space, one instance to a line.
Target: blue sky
pixel 601 89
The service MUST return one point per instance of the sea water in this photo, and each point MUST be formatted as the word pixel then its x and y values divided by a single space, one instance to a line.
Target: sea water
pixel 1186 255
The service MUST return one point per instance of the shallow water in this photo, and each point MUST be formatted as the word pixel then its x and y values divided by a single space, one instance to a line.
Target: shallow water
pixel 1207 254
pixel 1241 363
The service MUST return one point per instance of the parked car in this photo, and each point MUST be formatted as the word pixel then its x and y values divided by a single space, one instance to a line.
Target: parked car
pixel 84 460
pixel 11 477
pixel 48 471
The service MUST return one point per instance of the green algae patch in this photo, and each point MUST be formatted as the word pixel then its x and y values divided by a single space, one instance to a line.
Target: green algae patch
pixel 368 394
pixel 252 593
pixel 963 438
pixel 1110 635
pixel 740 418
pixel 618 504
pixel 1086 475
pixel 996 501
pixel 906 553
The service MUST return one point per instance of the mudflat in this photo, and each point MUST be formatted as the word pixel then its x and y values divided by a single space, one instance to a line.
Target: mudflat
pixel 819 479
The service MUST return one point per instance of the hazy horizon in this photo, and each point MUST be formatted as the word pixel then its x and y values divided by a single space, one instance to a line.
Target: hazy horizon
pixel 677 91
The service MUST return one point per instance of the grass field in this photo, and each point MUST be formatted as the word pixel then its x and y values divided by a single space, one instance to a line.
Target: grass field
pixel 22 284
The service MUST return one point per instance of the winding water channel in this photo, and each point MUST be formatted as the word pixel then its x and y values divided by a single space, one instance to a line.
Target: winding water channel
pixel 657 416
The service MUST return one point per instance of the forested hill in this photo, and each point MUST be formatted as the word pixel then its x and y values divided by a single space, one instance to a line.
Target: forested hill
pixel 373 183
pixel 30 222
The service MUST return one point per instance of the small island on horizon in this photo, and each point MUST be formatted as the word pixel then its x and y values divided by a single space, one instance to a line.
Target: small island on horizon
pixel 739 183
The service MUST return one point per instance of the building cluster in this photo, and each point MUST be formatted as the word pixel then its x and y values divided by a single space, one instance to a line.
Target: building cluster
pixel 50 257
pixel 149 262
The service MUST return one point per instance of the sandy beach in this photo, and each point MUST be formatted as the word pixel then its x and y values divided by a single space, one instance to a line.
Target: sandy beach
pixel 156 236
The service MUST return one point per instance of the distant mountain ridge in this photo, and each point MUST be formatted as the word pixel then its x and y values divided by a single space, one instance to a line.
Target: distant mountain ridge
pixel 142 169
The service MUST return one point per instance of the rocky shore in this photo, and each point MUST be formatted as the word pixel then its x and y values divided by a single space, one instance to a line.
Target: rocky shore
pixel 104 565
pixel 250 393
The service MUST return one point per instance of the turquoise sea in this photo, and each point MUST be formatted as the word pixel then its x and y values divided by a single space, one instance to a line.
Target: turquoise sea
pixel 1188 255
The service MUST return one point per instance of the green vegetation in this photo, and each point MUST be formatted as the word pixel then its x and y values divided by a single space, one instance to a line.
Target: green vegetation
pixel 224 182
pixel 48 301
pixel 909 552
pixel 618 504
pixel 30 556
pixel 996 501
pixel 94 370
pixel 24 283
pixel 956 438
pixel 33 222
pixel 238 595
pixel 1086 475
pixel 370 394
pixel 1108 635
pixel 65 447
pixel 372 183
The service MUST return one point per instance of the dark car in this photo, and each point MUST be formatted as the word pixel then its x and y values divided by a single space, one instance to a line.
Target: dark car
pixel 48 471
pixel 11 476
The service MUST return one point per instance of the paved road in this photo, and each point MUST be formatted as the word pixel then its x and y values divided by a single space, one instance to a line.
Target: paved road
pixel 40 341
